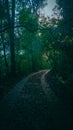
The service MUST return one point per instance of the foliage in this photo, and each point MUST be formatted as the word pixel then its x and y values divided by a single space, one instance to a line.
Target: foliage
pixel 30 41
pixel 19 36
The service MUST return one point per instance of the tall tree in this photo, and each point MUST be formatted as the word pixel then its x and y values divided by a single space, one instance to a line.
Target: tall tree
pixel 10 21
pixel 66 10
pixel 12 42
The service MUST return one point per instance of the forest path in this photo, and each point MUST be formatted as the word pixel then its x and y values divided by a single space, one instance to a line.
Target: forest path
pixel 32 105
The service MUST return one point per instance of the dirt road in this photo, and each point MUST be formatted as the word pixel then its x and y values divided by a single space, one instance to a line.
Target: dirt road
pixel 32 105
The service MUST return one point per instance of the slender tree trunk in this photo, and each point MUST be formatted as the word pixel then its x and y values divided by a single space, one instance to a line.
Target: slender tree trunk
pixel 2 38
pixel 11 21
pixel 12 44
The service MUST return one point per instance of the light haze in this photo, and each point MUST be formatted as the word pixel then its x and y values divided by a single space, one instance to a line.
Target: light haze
pixel 47 11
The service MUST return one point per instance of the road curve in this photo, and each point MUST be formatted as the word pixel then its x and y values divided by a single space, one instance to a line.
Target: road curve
pixel 22 105
pixel 32 105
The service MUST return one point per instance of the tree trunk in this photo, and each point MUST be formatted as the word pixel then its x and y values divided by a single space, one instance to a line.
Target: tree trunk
pixel 4 51
pixel 11 21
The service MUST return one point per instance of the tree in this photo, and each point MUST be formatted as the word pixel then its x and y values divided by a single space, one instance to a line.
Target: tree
pixel 64 44
pixel 66 10
pixel 14 9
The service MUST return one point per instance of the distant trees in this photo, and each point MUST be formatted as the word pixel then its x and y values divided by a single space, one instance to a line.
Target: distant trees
pixel 66 10
pixel 16 19
pixel 57 38
pixel 30 41
pixel 63 37
pixel 8 19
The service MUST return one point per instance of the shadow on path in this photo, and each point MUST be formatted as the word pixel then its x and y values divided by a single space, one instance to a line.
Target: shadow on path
pixel 31 106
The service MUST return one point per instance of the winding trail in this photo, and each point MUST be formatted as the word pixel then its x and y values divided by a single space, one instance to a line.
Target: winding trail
pixel 32 105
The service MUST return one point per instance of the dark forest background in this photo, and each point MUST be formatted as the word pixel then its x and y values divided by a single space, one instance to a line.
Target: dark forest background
pixel 29 41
